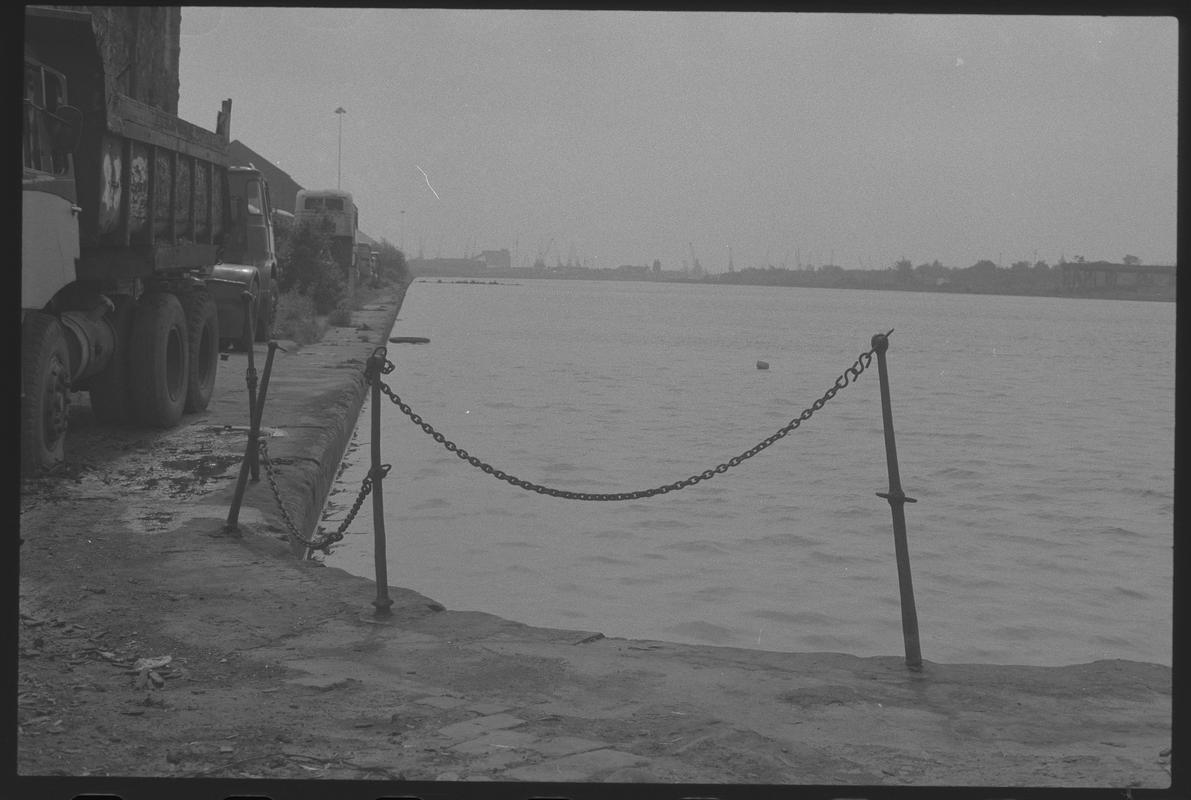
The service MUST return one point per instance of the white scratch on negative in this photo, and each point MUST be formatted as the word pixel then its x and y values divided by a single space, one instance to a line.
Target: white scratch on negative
pixel 427 177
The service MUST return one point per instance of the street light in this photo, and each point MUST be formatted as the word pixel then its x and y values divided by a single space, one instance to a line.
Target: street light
pixel 403 230
pixel 339 174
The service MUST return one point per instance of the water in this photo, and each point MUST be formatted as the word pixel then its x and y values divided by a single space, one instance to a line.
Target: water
pixel 1037 435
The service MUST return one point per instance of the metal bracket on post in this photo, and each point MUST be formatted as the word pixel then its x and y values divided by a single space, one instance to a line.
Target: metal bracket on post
pixel 382 602
pixel 897 502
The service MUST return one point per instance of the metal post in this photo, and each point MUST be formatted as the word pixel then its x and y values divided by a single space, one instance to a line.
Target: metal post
pixel 254 426
pixel 382 601
pixel 264 390
pixel 247 337
pixel 897 500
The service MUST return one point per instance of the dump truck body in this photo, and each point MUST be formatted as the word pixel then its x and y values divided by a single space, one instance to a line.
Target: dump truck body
pixel 124 211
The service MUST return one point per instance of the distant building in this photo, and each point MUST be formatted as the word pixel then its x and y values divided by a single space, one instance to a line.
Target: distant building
pixel 496 259
pixel 1105 277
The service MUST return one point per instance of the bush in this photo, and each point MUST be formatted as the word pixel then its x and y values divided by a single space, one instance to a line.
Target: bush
pixel 393 266
pixel 310 270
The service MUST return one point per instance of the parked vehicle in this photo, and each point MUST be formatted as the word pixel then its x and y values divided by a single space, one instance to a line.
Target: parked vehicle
pixel 248 261
pixel 124 209
pixel 332 212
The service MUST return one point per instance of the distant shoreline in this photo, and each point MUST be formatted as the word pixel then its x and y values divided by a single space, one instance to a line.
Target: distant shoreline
pixel 848 280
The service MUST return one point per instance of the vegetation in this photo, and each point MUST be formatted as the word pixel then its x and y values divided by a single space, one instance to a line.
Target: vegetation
pixel 309 270
pixel 315 293
pixel 393 268
pixel 296 319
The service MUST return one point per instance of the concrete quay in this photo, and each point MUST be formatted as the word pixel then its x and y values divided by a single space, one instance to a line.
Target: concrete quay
pixel 155 644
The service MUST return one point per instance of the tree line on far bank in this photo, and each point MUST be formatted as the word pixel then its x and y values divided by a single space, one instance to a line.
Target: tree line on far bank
pixel 984 276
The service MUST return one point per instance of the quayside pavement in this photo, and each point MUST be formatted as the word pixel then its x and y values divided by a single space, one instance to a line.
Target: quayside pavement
pixel 154 643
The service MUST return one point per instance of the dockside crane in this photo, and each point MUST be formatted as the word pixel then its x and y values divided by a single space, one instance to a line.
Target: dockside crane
pixel 540 261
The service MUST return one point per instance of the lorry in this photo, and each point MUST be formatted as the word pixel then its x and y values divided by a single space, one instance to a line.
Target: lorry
pixel 125 211
pixel 248 261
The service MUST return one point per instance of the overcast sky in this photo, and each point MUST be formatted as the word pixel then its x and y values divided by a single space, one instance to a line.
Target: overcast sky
pixel 620 137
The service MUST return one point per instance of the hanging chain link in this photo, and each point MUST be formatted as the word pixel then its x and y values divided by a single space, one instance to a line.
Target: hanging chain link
pixel 325 538
pixel 848 376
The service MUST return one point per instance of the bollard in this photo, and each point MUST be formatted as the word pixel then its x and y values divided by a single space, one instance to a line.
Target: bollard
pixel 254 426
pixel 382 601
pixel 897 500
pixel 247 335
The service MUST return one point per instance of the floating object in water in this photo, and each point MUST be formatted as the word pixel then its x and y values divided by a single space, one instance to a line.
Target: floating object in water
pixel 409 340
pixel 762 365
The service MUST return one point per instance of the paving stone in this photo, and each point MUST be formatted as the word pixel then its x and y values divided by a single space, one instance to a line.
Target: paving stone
pixel 631 775
pixel 496 740
pixel 487 708
pixel 441 701
pixel 322 682
pixel 565 745
pixel 471 728
pixel 579 767
pixel 498 760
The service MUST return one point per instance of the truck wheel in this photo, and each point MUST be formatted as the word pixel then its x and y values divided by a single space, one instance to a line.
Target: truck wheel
pixel 266 312
pixel 202 331
pixel 159 360
pixel 45 392
pixel 110 399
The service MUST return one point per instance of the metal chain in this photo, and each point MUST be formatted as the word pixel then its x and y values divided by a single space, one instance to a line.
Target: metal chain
pixel 848 376
pixel 329 538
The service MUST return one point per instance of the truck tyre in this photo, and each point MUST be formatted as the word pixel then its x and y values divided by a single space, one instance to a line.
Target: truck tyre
pixel 111 401
pixel 202 330
pixel 266 312
pixel 159 360
pixel 45 392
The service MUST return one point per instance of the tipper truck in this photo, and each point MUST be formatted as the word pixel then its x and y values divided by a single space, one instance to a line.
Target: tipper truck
pixel 125 209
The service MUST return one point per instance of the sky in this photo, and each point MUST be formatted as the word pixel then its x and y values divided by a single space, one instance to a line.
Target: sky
pixel 761 138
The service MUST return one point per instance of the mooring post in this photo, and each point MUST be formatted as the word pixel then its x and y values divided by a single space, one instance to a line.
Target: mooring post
pixel 258 414
pixel 249 463
pixel 897 501
pixel 247 335
pixel 382 601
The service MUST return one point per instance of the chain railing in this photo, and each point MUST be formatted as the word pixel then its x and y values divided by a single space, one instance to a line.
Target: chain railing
pixel 378 364
pixel 850 375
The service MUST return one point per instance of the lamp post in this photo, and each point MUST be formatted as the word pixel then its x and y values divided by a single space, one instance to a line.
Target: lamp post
pixel 403 231
pixel 339 167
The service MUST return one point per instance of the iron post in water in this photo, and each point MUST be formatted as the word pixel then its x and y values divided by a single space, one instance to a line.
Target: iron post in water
pixel 382 601
pixel 897 501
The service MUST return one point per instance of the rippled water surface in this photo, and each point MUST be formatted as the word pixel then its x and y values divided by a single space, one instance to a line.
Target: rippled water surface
pixel 1036 434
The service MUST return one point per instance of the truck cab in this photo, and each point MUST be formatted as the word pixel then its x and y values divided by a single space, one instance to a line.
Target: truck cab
pixel 248 260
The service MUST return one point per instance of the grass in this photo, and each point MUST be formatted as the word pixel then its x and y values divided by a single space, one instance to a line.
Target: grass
pixel 297 321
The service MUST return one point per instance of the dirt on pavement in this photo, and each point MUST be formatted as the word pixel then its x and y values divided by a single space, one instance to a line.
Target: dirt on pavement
pixel 154 642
